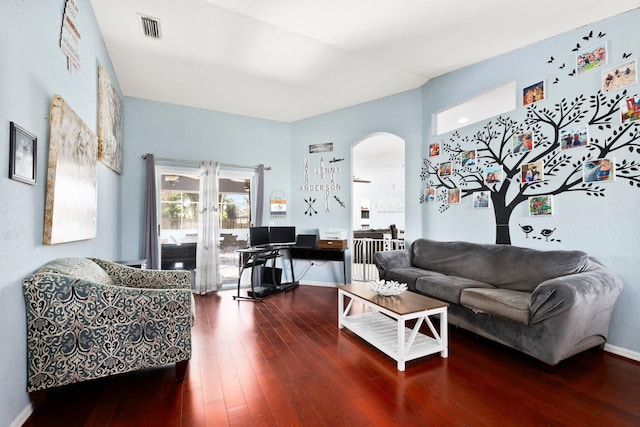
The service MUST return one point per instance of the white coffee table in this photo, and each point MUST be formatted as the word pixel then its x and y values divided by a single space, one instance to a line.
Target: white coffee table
pixel 383 322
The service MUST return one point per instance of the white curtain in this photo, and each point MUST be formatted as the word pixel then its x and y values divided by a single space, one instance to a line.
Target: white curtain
pixel 207 256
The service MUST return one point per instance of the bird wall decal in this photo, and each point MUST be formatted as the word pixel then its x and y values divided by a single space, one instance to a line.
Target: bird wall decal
pixel 546 233
pixel 527 229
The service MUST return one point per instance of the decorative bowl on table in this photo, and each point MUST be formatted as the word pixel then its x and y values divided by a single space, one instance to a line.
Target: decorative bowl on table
pixel 387 287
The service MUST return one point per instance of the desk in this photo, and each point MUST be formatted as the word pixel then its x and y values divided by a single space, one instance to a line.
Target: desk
pixel 258 257
pixel 320 254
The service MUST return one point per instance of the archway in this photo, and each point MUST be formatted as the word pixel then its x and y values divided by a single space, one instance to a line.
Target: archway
pixel 377 199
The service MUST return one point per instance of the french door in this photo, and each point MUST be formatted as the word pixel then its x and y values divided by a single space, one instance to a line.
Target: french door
pixel 178 210
pixel 235 209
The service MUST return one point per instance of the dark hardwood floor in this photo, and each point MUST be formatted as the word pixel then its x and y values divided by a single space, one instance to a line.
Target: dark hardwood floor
pixel 284 362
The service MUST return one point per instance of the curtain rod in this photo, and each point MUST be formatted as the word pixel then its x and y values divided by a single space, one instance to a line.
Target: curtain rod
pixel 199 162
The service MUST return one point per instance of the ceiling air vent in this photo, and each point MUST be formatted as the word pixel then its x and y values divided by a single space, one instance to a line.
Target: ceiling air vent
pixel 150 27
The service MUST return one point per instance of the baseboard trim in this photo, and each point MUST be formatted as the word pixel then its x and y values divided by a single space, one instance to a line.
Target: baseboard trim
pixel 23 416
pixel 633 355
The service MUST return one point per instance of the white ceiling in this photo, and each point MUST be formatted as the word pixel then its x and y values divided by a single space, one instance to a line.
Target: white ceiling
pixel 288 60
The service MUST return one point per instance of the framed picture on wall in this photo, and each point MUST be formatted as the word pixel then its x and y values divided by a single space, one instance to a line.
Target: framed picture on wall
pixel 541 205
pixel 434 149
pixel 23 156
pixel 522 142
pixel 574 137
pixel 599 170
pixel 444 169
pixel 430 194
pixel 591 58
pixel 493 174
pixel 453 196
pixel 630 110
pixel 480 199
pixel 468 158
pixel 533 93
pixel 532 172
pixel 620 76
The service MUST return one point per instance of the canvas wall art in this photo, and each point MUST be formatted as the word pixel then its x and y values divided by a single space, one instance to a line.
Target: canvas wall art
pixel 72 191
pixel 110 128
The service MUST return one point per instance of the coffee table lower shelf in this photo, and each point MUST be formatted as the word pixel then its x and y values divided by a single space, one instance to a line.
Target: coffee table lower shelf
pixel 382 332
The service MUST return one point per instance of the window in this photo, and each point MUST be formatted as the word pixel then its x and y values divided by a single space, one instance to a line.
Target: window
pixel 476 109
pixel 234 204
pixel 179 206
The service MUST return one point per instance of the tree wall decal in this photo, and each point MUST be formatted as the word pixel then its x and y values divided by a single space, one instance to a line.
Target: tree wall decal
pixel 563 169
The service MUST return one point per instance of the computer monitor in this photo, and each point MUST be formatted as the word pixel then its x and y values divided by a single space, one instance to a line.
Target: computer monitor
pixel 282 235
pixel 259 236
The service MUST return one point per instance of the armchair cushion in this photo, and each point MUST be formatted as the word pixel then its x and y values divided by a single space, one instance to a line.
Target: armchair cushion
pixel 81 268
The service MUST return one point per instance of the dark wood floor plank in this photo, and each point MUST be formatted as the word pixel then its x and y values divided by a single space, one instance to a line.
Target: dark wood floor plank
pixel 285 362
pixel 216 414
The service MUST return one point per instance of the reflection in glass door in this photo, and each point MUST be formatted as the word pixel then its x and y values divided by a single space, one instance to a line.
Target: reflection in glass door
pixel 179 202
pixel 234 188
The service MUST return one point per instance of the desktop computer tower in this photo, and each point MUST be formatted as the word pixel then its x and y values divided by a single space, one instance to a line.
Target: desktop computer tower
pixel 268 275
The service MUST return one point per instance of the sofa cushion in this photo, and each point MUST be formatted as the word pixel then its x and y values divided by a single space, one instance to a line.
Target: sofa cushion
pixel 407 275
pixel 80 268
pixel 446 288
pixel 505 266
pixel 506 303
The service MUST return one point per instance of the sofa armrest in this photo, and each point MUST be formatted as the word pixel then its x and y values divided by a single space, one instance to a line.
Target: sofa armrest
pixel 137 278
pixel 595 291
pixel 388 260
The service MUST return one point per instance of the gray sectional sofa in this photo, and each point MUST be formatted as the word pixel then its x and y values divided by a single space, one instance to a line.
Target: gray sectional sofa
pixel 547 304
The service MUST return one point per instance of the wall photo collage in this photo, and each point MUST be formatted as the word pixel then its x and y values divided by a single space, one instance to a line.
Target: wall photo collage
pixel 551 151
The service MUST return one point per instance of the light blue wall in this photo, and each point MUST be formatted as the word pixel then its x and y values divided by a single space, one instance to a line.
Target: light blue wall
pixel 400 115
pixel 177 132
pixel 33 68
pixel 186 133
pixel 604 227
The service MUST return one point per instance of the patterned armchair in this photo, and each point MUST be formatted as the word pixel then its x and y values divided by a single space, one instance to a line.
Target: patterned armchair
pixel 89 318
